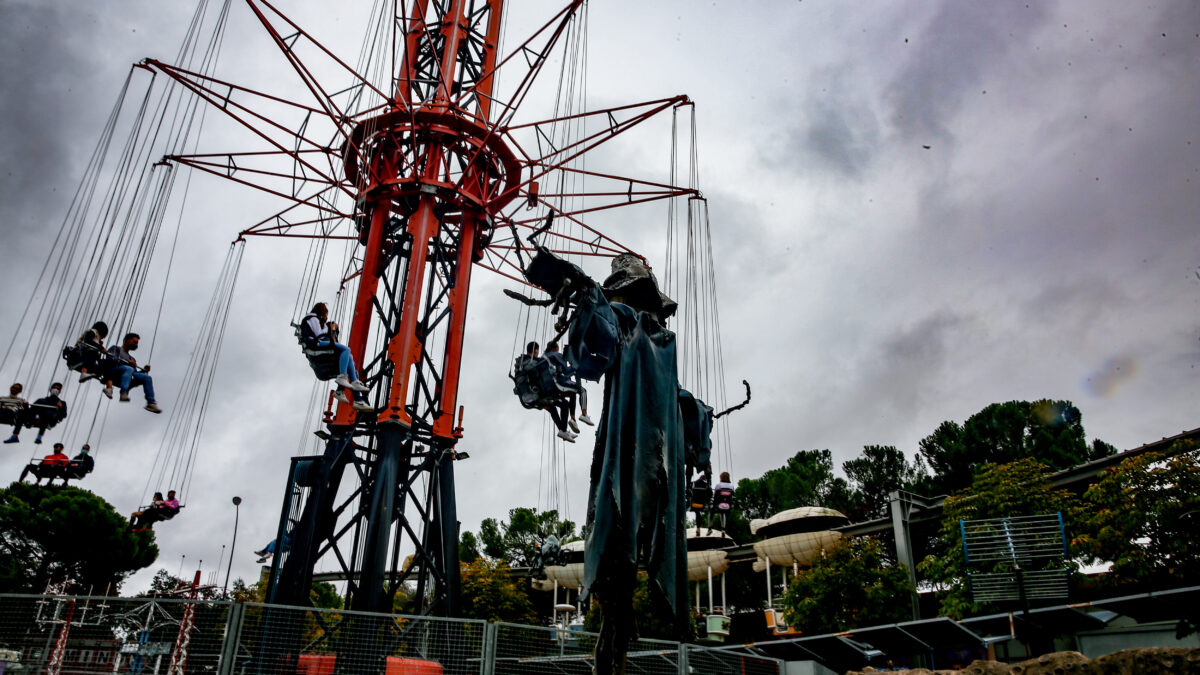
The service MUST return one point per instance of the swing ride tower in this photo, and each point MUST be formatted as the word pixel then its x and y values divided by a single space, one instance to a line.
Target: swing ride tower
pixel 437 168
pixel 431 177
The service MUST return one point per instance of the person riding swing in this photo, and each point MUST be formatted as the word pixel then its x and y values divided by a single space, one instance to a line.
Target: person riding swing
pixel 126 373
pixel 52 466
pixel 13 409
pixel 317 333
pixel 44 413
pixel 568 378
pixel 88 355
pixel 536 384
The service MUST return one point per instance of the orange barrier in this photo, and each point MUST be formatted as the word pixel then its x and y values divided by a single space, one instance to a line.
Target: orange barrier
pixel 323 664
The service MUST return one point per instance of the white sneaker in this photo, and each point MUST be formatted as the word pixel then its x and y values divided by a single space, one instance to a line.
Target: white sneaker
pixel 107 391
pixel 358 386
pixel 361 406
pixel 342 381
pixel 573 425
pixel 587 420
pixel 566 436
pixel 341 396
pixel 88 376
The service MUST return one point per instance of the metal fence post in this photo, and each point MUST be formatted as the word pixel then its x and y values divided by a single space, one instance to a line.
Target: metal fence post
pixel 487 651
pixel 682 666
pixel 233 635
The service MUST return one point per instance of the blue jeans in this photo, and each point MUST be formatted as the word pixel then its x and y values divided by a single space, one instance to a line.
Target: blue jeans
pixel 131 378
pixel 345 363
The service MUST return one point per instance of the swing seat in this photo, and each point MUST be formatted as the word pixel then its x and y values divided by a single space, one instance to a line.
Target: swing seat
pixel 48 471
pixel 42 417
pixel 88 356
pixel 700 494
pixel 76 470
pixel 324 361
pixel 723 499
pixel 536 384
pixel 13 413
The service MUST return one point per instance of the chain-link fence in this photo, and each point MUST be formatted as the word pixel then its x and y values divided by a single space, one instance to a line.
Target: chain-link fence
pixel 59 635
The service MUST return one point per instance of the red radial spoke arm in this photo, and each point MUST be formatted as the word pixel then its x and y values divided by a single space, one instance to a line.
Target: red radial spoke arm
pixel 300 31
pixel 509 108
pixel 307 201
pixel 540 56
pixel 231 168
pixel 284 229
pixel 225 106
pixel 199 82
pixel 583 146
pixel 323 98
pixel 619 179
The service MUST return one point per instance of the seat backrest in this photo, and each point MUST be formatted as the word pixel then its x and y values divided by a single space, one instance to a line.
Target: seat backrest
pixel 723 498
pixel 526 384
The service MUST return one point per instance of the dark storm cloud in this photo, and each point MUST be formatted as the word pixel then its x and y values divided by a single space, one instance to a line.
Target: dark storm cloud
pixel 948 59
pixel 838 132
pixel 35 99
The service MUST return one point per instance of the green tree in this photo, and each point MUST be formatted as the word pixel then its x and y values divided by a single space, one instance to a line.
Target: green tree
pixel 805 480
pixel 851 584
pixel 517 541
pixel 879 470
pixel 1049 431
pixel 491 592
pixel 49 535
pixel 468 547
pixel 1142 516
pixel 1020 488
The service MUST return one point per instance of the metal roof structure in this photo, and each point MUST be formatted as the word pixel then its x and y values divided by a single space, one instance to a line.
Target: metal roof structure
pixel 858 647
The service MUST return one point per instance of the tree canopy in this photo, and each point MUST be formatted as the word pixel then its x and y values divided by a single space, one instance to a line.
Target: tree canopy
pixel 850 584
pixel 1142 516
pixel 879 470
pixel 1049 431
pixel 54 534
pixel 491 592
pixel 806 479
pixel 518 540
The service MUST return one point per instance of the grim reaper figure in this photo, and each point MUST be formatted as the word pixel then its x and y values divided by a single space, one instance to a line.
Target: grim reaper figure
pixel 640 464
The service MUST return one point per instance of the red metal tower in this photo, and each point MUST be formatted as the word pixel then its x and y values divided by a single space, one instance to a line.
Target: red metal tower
pixel 436 169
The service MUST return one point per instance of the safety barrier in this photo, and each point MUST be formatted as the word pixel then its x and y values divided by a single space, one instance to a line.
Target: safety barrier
pixel 60 635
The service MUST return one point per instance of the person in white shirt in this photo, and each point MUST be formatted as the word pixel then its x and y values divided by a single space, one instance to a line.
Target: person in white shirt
pixel 317 332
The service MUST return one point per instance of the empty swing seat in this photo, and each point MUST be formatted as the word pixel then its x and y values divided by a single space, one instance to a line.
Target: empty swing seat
pixel 701 494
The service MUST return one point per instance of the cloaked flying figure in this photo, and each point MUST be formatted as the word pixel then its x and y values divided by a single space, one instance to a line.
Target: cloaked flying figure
pixel 637 497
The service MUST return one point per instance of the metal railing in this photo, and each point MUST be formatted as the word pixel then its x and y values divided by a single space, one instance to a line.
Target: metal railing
pixel 61 635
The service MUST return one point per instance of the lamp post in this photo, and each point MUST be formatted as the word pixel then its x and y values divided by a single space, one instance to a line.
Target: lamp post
pixel 237 502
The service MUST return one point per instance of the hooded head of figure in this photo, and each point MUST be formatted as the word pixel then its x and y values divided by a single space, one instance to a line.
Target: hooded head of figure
pixel 633 283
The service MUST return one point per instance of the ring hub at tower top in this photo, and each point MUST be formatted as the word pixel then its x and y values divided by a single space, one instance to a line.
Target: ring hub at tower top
pixel 405 154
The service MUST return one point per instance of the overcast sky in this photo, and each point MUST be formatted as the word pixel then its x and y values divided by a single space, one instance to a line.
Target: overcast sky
pixel 918 208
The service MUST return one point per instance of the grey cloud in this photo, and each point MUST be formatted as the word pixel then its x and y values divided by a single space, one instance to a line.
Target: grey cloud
pixel 841 135
pixel 948 59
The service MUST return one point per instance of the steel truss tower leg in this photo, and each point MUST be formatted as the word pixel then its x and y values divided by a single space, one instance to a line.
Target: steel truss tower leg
pixel 431 174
